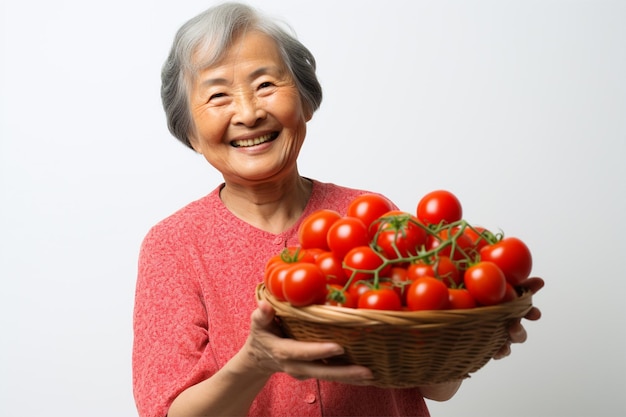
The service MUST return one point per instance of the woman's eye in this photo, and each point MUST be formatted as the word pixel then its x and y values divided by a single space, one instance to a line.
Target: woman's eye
pixel 265 84
pixel 217 95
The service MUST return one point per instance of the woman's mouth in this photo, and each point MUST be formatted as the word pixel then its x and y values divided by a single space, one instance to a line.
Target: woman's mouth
pixel 244 143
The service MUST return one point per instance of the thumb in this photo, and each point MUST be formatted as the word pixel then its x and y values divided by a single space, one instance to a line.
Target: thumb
pixel 264 315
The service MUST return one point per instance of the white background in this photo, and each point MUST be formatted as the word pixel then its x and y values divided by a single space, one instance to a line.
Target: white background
pixel 519 107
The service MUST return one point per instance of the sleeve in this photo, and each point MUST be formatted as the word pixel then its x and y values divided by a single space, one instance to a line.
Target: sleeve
pixel 170 348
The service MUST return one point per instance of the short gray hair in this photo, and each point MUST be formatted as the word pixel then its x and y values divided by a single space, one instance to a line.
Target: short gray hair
pixel 212 32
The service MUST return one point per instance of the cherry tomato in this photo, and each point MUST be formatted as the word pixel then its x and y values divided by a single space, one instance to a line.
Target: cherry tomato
pixel 380 299
pixel 345 234
pixel 439 206
pixel 512 256
pixel 369 207
pixel 427 293
pixel 400 235
pixel 274 279
pixel 339 297
pixel 478 236
pixel 441 268
pixel 293 254
pixel 314 229
pixel 486 283
pixel 510 294
pixel 332 268
pixel 359 260
pixel 357 288
pixel 304 284
pixel 462 250
pixel 401 280
pixel 460 298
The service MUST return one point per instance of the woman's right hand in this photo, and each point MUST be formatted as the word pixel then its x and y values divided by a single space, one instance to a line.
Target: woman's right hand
pixel 268 352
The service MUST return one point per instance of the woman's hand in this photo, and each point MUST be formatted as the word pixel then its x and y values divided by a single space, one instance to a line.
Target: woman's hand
pixel 517 333
pixel 268 352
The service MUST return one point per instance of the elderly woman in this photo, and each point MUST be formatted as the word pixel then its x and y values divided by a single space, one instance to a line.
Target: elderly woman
pixel 239 89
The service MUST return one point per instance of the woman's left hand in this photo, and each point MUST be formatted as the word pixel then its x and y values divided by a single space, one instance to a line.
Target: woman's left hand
pixel 517 333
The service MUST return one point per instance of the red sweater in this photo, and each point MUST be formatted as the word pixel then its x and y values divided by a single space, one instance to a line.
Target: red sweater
pixel 198 269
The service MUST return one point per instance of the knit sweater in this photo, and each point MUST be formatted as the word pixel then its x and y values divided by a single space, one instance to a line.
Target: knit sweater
pixel 197 272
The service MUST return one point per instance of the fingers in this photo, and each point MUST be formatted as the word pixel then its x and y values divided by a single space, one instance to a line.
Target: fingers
pixel 533 314
pixel 517 332
pixel 348 374
pixel 504 351
pixel 534 284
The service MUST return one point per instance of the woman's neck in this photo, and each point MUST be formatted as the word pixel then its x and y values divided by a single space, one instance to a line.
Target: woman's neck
pixel 271 207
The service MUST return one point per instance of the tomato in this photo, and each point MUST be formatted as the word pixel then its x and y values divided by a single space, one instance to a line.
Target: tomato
pixel 486 283
pixel 461 250
pixel 345 234
pixel 479 236
pixel 400 235
pixel 358 261
pixel 442 268
pixel 369 207
pixel 304 284
pixel 512 256
pixel 357 288
pixel 401 280
pixel 332 268
pixel 339 297
pixel 510 294
pixel 293 254
pixel 427 293
pixel 419 269
pixel 460 298
pixel 439 206
pixel 314 229
pixel 274 279
pixel 380 299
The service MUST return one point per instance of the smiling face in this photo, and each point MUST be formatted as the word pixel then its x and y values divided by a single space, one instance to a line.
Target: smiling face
pixel 249 118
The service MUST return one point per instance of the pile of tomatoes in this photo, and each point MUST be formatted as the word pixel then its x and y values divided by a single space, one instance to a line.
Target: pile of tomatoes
pixel 378 257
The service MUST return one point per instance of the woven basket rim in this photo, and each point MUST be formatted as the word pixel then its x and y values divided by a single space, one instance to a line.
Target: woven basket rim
pixel 354 317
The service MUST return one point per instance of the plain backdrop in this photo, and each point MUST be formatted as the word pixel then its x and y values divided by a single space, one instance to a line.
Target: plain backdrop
pixel 518 107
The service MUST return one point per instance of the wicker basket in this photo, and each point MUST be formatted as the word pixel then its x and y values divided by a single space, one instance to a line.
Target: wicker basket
pixel 405 349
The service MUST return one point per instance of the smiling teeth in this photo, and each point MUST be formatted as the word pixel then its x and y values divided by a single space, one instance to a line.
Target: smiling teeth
pixel 251 142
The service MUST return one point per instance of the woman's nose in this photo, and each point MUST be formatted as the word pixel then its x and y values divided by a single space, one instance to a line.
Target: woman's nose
pixel 248 112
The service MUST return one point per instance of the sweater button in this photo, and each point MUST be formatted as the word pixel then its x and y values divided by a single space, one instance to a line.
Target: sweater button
pixel 310 398
pixel 278 241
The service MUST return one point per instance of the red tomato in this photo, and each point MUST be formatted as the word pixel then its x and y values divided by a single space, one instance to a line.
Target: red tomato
pixel 427 293
pixel 339 297
pixel 419 269
pixel 293 254
pixel 486 283
pixel 512 256
pixel 358 261
pixel 460 298
pixel 357 288
pixel 510 294
pixel 400 235
pixel 462 250
pixel 274 280
pixel 369 207
pixel 478 235
pixel 380 299
pixel 304 284
pixel 442 268
pixel 314 229
pixel 439 206
pixel 332 268
pixel 345 234
pixel 401 280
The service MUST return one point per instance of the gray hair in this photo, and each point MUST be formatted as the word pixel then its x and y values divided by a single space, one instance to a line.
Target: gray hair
pixel 212 32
